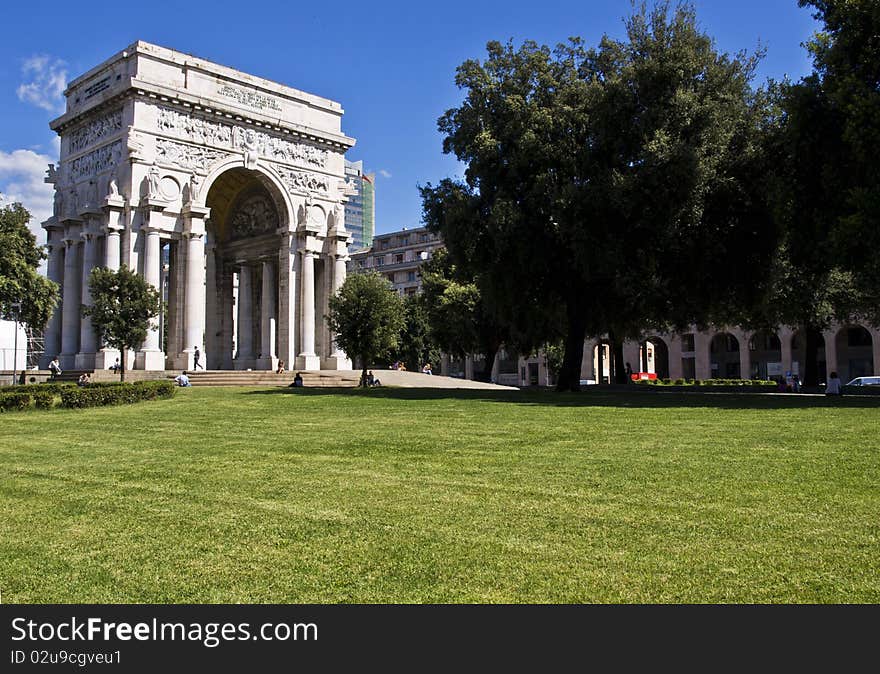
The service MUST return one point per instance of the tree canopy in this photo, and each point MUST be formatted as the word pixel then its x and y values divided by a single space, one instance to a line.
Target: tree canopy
pixel 610 188
pixel 20 281
pixel 367 317
pixel 123 306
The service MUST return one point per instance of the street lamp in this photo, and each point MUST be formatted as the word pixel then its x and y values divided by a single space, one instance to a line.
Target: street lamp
pixel 16 307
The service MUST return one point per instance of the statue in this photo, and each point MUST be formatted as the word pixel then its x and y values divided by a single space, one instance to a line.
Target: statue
pixel 56 209
pixel 251 154
pixel 73 205
pixel 134 144
pixel 114 188
pixel 51 175
pixel 194 184
pixel 153 182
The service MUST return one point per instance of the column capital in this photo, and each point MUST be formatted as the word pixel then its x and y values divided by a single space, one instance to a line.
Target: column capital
pixel 153 204
pixel 113 203
pixel 195 211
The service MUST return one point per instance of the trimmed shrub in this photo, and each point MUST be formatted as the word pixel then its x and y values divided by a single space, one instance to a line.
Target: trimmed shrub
pixel 43 400
pixel 98 395
pixel 15 402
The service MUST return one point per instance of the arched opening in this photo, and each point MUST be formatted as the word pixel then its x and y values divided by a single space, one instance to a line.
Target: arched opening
pixel 724 356
pixel 603 362
pixel 242 270
pixel 765 351
pixel 654 357
pixel 811 369
pixel 855 356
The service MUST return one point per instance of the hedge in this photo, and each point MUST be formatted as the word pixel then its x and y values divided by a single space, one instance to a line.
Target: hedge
pixel 762 383
pixel 98 395
pixel 42 396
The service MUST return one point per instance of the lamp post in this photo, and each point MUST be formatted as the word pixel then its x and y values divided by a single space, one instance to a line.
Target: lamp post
pixel 16 307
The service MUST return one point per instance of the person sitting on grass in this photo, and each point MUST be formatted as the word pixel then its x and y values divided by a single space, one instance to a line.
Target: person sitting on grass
pixel 182 379
pixel 297 380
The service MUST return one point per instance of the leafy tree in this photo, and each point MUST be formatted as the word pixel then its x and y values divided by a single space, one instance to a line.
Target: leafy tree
pixel 460 321
pixel 415 344
pixel 367 317
pixel 19 280
pixel 844 92
pixel 123 306
pixel 619 177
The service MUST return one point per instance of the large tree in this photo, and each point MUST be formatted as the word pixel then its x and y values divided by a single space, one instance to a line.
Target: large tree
pixel 416 345
pixel 20 283
pixel 123 308
pixel 620 183
pixel 460 320
pixel 846 86
pixel 367 317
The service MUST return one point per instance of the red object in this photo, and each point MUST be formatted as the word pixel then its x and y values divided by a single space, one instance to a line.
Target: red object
pixel 636 376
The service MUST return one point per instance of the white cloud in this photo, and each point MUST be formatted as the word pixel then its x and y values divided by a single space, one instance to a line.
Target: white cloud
pixel 45 81
pixel 21 179
pixel 384 173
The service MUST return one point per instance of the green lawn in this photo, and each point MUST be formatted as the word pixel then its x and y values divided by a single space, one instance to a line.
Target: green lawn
pixel 238 495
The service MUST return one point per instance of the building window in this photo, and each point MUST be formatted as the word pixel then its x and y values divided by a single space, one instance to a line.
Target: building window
pixel 410 276
pixel 398 259
pixel 391 277
pixel 379 260
pixel 687 342
pixel 404 240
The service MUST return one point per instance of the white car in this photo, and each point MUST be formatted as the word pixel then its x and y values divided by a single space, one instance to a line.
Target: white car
pixel 864 381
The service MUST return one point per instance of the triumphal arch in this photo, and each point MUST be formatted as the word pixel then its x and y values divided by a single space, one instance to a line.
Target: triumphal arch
pixel 223 190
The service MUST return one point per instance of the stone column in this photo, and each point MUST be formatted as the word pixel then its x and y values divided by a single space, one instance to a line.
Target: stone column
pixel 337 360
pixel 785 335
pixel 192 249
pixel 288 299
pixel 106 356
pixel 70 303
pixel 55 272
pixel 268 308
pixel 307 359
pixel 875 352
pixel 468 367
pixel 88 341
pixel 244 359
pixel 702 357
pixel 150 357
pixel 675 368
pixel 830 337
pixel 745 357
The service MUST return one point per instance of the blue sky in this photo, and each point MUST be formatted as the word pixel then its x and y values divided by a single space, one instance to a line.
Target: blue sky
pixel 390 64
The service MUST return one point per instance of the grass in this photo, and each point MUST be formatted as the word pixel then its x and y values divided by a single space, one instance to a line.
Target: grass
pixel 236 495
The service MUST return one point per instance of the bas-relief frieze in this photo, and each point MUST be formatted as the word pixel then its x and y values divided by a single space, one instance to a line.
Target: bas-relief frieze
pixel 187 157
pixel 95 162
pixel 232 137
pixel 303 181
pixel 95 131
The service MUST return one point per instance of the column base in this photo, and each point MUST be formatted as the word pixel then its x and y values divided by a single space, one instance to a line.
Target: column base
pixel 67 361
pixel 105 358
pixel 270 364
pixel 304 362
pixel 149 360
pixel 336 363
pixel 244 363
pixel 185 360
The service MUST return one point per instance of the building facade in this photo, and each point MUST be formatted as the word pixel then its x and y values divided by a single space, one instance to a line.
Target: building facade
pixel 398 256
pixel 360 211
pixel 236 181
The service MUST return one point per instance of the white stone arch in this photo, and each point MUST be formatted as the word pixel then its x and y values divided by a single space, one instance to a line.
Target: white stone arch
pixel 286 212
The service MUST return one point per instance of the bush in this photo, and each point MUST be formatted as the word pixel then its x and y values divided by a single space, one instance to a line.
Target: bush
pixel 43 400
pixel 13 402
pixel 98 395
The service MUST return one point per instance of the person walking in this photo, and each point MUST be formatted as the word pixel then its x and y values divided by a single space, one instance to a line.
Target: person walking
pixel 833 387
pixel 196 356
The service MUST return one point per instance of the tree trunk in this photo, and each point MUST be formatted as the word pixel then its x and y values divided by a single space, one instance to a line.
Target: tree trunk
pixel 811 355
pixel 618 367
pixel 122 359
pixel 570 372
pixel 364 373
pixel 490 349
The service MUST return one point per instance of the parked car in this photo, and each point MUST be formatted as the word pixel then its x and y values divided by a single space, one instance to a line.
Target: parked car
pixel 864 381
